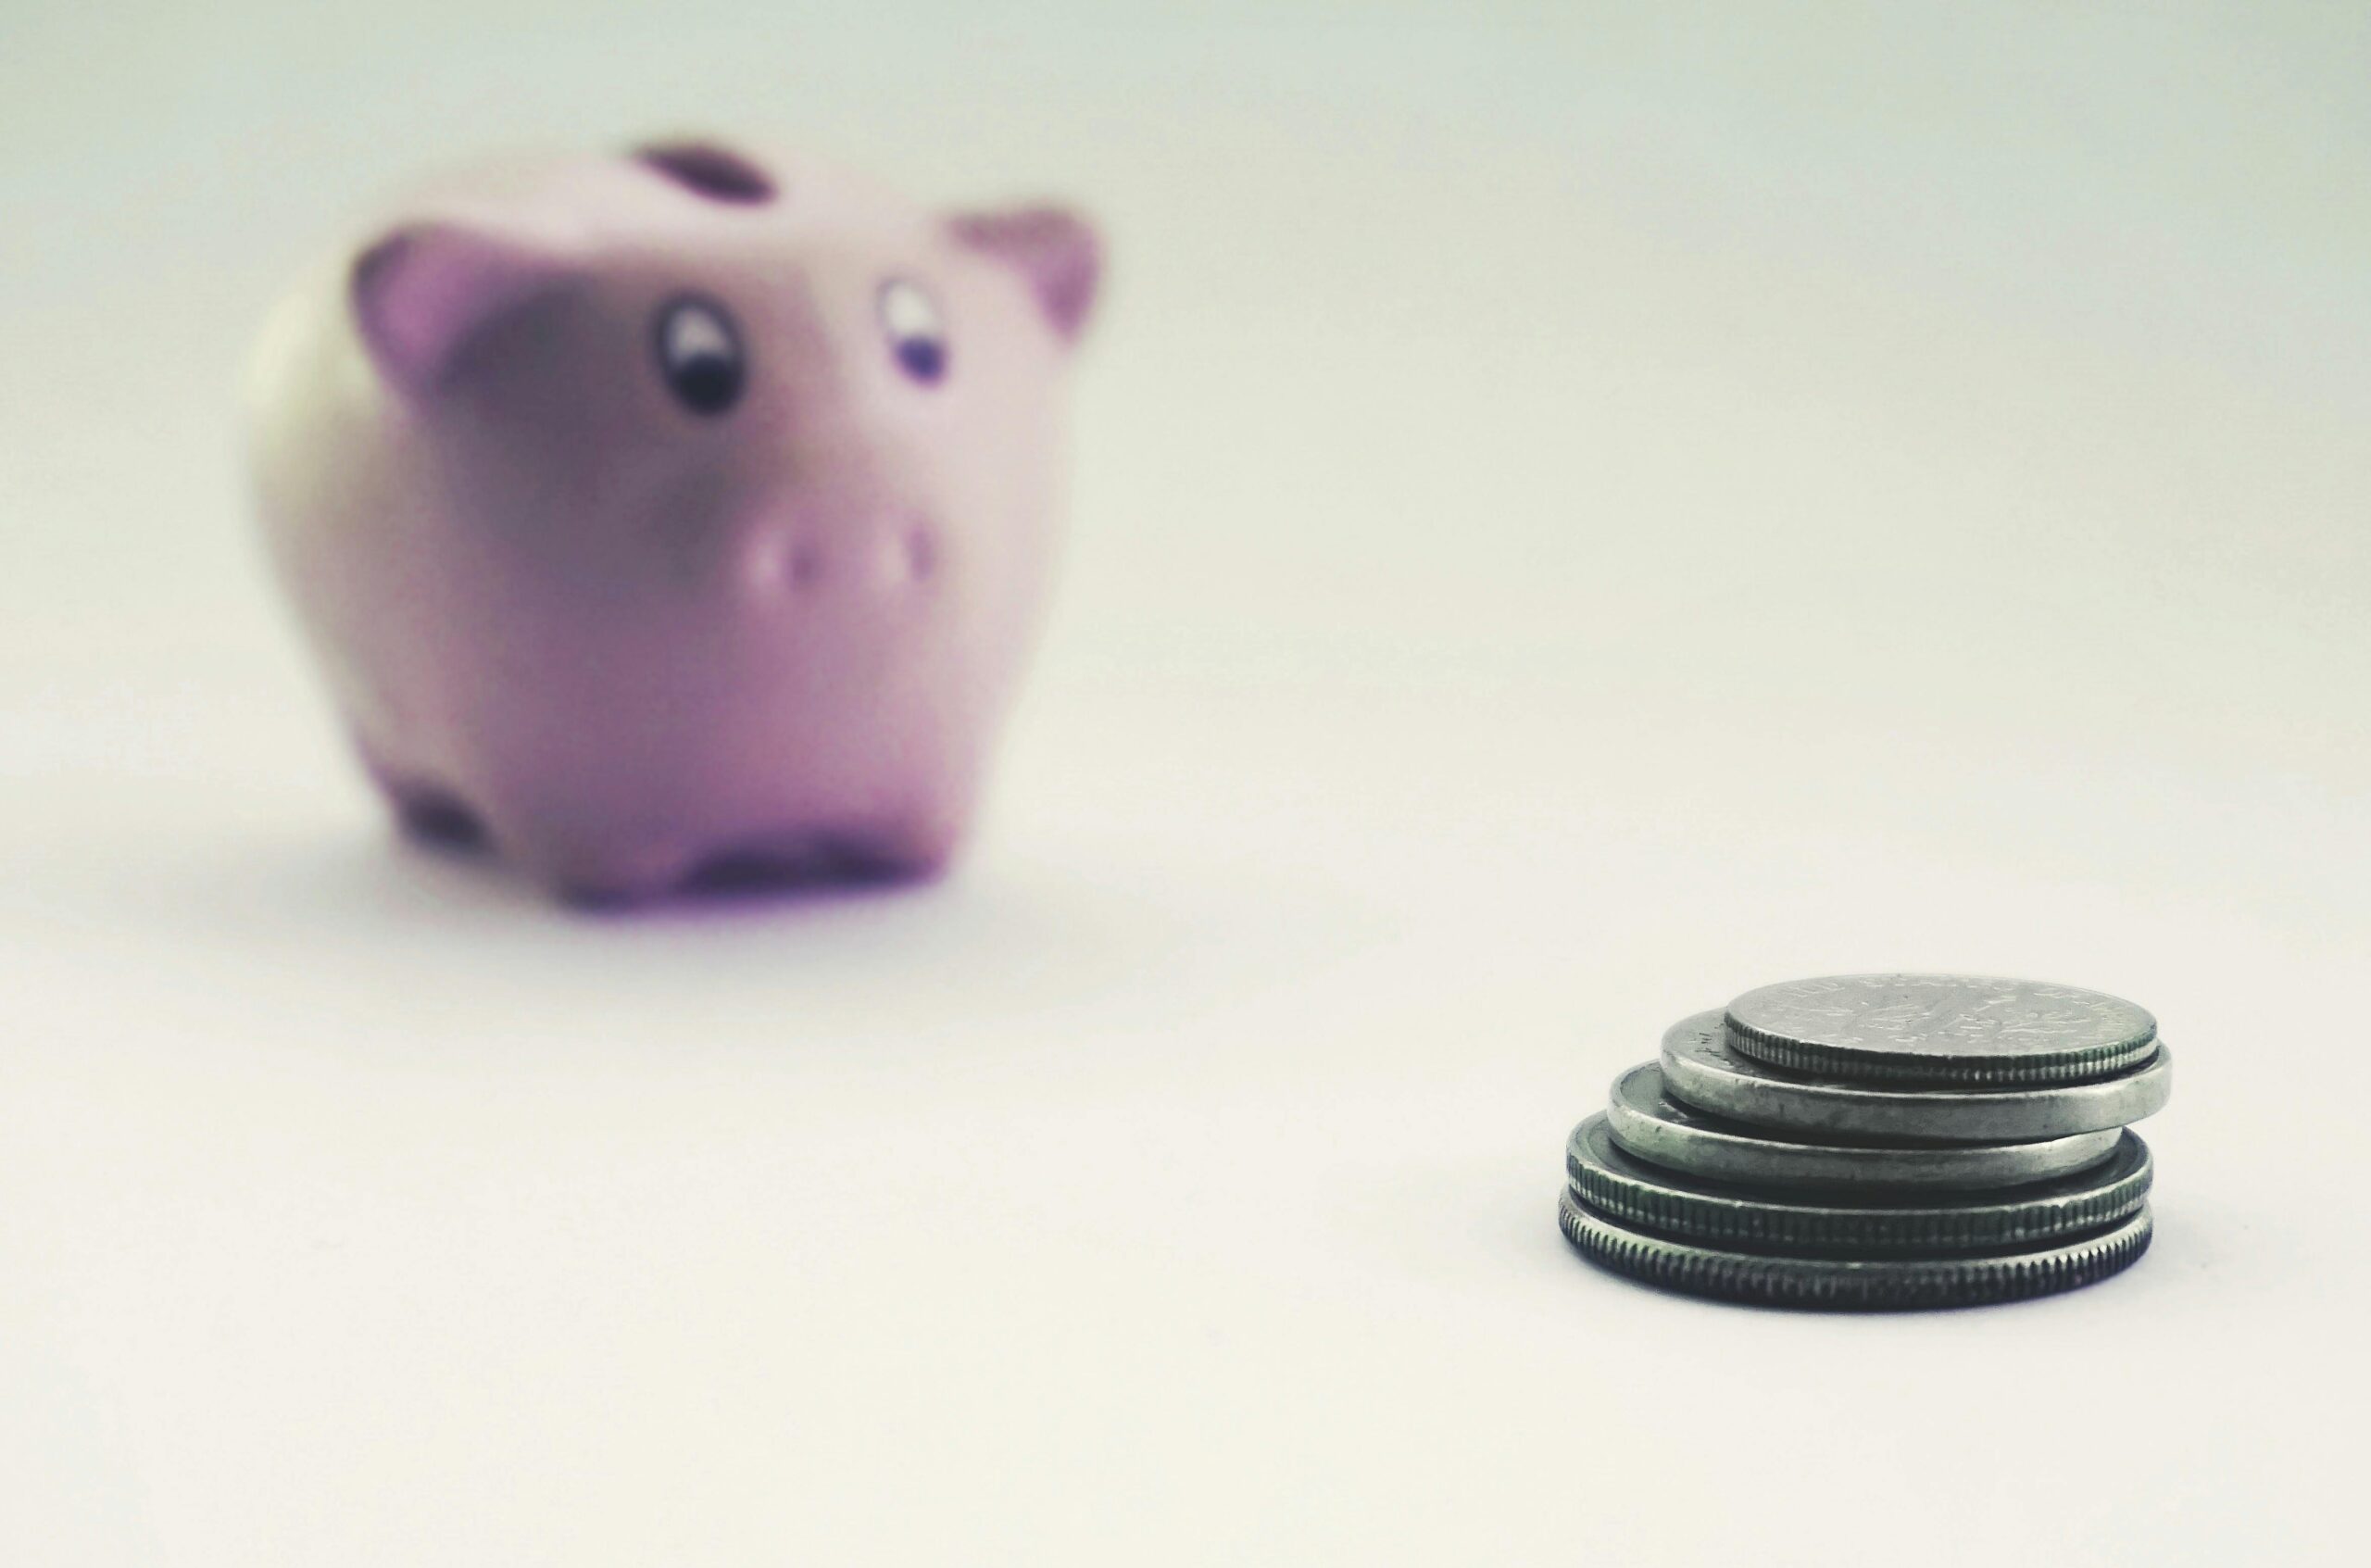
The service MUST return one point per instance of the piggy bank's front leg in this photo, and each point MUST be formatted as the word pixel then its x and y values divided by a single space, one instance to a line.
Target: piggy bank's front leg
pixel 424 810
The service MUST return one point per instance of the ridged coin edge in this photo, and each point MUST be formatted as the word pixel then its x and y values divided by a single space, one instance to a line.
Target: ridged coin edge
pixel 1871 1067
pixel 1885 1285
pixel 1702 1088
pixel 1677 1215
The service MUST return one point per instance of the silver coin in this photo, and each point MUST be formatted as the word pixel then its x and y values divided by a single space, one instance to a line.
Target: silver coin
pixel 1654 1127
pixel 1854 1284
pixel 1940 1029
pixel 1665 1203
pixel 1703 1067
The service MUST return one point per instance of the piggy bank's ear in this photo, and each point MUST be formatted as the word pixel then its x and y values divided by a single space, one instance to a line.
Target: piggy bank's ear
pixel 1055 249
pixel 421 293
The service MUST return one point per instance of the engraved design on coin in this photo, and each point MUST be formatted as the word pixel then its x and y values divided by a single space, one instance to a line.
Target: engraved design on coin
pixel 1942 1029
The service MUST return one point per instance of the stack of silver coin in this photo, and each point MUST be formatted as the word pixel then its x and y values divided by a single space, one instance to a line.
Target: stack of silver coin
pixel 1877 1141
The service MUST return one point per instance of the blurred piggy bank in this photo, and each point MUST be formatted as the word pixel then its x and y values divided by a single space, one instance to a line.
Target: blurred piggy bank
pixel 679 516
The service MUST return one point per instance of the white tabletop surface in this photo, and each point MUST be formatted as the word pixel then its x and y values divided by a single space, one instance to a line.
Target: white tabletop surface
pixel 1575 518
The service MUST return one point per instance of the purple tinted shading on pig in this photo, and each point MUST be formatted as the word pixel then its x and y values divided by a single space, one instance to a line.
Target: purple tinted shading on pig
pixel 676 517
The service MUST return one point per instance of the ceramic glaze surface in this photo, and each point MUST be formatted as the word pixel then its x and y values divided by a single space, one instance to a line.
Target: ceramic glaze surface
pixel 677 515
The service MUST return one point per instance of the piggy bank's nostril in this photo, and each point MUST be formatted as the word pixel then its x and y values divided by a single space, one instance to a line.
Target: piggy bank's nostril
pixel 922 553
pixel 769 563
pixel 901 557
pixel 806 566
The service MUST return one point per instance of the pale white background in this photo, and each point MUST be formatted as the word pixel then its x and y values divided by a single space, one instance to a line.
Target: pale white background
pixel 1580 512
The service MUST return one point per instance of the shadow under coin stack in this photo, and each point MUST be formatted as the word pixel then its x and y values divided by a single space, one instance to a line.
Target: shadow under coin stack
pixel 1877 1141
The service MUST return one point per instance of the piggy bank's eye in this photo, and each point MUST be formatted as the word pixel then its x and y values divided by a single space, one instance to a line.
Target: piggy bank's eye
pixel 699 353
pixel 916 334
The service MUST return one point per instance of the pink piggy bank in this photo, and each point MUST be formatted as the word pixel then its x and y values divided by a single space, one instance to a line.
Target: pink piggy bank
pixel 678 517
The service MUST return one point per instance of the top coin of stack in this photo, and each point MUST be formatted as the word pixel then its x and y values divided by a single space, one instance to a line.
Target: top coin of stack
pixel 1941 1029
pixel 1877 1141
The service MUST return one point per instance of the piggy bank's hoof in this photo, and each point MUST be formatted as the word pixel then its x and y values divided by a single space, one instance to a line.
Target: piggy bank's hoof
pixel 880 857
pixel 803 862
pixel 444 821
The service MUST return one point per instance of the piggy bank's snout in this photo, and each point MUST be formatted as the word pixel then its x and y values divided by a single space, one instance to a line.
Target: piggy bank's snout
pixel 773 564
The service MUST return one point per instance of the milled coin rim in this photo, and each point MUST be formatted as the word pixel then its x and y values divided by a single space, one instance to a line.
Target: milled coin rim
pixel 1854 1284
pixel 1797 1053
pixel 1674 1207
pixel 1745 1155
pixel 1736 1086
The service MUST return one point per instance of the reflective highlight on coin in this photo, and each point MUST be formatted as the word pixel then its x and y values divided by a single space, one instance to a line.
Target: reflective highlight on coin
pixel 1651 1127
